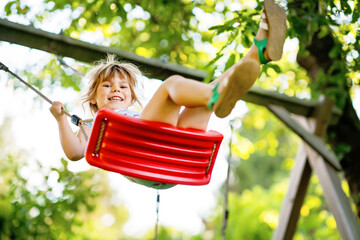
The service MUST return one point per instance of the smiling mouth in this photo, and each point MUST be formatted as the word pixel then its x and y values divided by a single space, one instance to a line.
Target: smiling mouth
pixel 115 99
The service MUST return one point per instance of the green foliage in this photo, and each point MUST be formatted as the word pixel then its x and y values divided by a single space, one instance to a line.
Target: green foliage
pixel 31 213
pixel 41 203
pixel 169 31
pixel 240 30
pixel 268 154
pixel 319 24
pixel 285 77
pixel 156 30
pixel 254 214
pixel 58 208
pixel 341 150
pixel 50 75
pixel 55 74
pixel 16 7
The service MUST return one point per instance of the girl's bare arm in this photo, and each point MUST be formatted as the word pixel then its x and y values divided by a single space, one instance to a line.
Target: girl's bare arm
pixel 73 145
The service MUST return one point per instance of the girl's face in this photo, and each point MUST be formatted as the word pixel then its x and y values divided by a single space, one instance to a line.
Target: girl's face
pixel 113 93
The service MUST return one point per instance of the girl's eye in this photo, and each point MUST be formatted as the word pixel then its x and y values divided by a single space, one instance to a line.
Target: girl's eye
pixel 107 85
pixel 123 86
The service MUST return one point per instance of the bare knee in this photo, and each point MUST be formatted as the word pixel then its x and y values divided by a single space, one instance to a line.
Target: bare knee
pixel 172 80
pixel 170 84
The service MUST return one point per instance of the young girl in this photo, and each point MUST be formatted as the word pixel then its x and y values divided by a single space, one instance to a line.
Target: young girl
pixel 112 85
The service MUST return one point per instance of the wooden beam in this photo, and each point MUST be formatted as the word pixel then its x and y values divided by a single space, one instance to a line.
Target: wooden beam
pixel 316 143
pixel 306 108
pixel 66 46
pixel 62 45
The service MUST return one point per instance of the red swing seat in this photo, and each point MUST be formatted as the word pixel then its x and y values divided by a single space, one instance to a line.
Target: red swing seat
pixel 152 151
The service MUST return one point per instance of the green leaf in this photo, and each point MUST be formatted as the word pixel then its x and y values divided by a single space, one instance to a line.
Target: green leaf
pixel 324 31
pixel 8 7
pixel 218 56
pixel 230 62
pixel 341 150
pixel 335 51
pixel 106 12
pixel 210 76
pixel 345 7
pixel 121 11
pixel 356 12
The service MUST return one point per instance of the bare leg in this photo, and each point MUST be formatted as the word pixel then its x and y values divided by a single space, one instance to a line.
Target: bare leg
pixel 176 91
pixel 199 117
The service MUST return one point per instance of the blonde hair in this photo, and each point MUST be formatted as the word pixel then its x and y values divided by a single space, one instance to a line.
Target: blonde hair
pixel 104 70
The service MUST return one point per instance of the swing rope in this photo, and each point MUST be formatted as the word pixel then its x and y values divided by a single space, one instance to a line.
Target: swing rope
pixel 62 62
pixel 77 121
pixel 157 214
pixel 6 69
pixel 227 182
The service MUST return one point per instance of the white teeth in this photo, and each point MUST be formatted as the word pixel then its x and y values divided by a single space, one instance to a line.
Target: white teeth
pixel 115 99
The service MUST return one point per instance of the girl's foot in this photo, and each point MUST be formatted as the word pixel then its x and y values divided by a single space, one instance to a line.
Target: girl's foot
pixel 269 42
pixel 271 36
pixel 233 87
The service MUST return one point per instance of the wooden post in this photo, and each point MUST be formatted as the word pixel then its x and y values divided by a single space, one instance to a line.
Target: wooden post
pixel 311 156
pixel 294 198
pixel 336 199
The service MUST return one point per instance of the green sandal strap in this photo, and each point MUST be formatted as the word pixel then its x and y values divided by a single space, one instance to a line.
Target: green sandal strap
pixel 261 45
pixel 214 97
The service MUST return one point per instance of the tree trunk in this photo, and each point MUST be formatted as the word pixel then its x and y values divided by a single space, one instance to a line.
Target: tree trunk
pixel 347 133
pixel 343 137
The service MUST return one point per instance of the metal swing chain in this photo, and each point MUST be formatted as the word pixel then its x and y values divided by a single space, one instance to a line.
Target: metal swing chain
pixel 77 121
pixel 226 192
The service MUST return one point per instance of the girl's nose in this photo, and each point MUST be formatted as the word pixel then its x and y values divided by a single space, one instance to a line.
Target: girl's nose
pixel 116 89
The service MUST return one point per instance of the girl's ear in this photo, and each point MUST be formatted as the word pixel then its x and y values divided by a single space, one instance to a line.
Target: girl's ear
pixel 93 101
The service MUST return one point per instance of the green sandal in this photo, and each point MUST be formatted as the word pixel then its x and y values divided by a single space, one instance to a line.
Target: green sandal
pixel 236 85
pixel 214 97
pixel 261 46
pixel 276 26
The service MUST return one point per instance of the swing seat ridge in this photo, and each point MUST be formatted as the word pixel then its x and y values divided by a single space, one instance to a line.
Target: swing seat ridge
pixel 152 151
